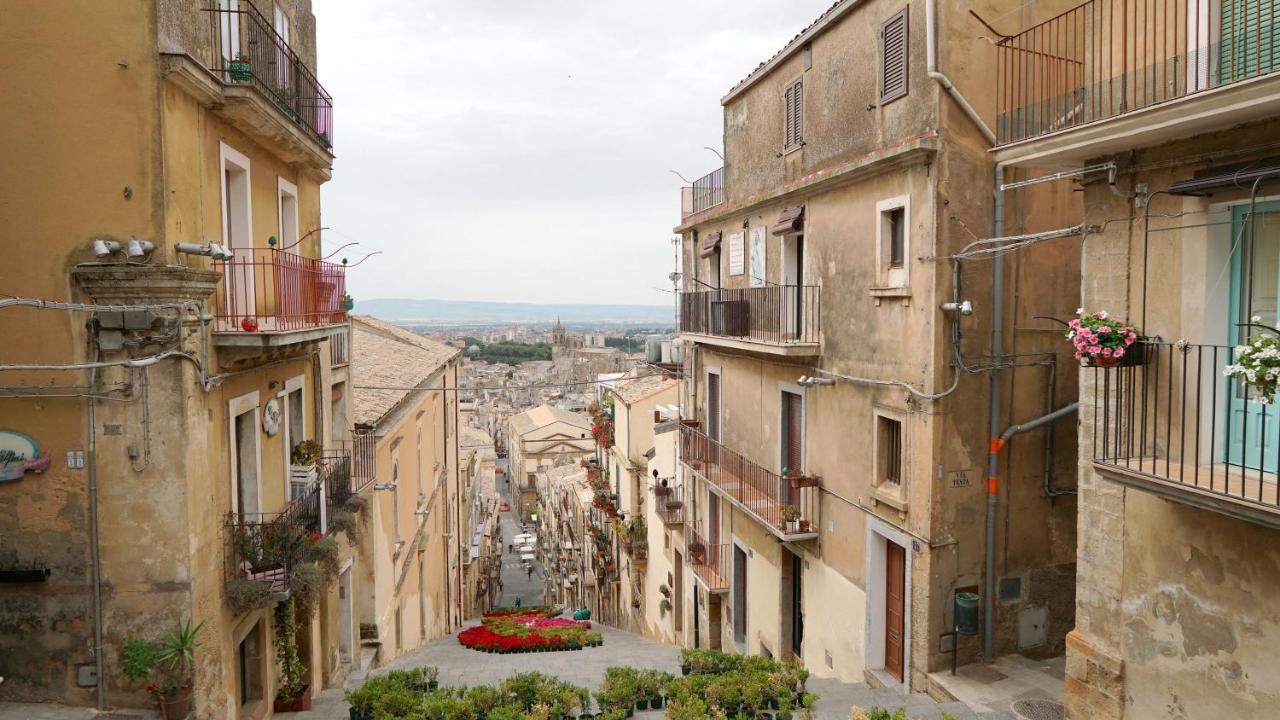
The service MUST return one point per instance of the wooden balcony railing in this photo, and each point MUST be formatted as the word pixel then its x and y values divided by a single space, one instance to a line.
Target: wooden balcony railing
pixel 710 563
pixel 1172 423
pixel 269 290
pixel 340 349
pixel 1105 58
pixel 760 492
pixel 775 314
pixel 705 193
pixel 248 50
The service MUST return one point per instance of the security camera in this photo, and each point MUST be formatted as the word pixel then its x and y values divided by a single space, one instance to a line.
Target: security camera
pixel 103 248
pixel 138 248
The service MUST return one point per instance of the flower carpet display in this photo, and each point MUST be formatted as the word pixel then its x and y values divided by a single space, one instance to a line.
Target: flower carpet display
pixel 533 629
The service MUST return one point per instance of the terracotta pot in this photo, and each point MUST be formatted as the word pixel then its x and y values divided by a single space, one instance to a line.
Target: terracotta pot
pixel 300 703
pixel 176 705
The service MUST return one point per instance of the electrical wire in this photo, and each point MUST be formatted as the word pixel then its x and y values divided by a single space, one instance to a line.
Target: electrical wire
pixel 502 387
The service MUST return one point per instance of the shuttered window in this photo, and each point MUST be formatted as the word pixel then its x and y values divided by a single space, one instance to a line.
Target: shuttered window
pixel 893 57
pixel 889 450
pixel 793 113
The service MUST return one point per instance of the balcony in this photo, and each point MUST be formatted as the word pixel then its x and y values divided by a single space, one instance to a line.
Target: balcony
pixel 1175 426
pixel 710 563
pixel 265 547
pixel 247 51
pixel 1111 75
pixel 775 319
pixel 705 193
pixel 754 489
pixel 270 298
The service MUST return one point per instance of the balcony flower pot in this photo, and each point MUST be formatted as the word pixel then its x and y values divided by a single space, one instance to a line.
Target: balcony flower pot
pixel 793 526
pixel 299 703
pixel 802 481
pixel 1102 341
pixel 675 504
pixel 349 304
pixel 240 69
pixel 805 526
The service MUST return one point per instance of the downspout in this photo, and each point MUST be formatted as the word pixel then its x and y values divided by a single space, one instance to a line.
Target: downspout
pixel 993 416
pixel 931 53
pixel 95 552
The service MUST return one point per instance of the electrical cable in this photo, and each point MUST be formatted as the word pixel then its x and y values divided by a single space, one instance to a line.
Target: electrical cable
pixel 501 387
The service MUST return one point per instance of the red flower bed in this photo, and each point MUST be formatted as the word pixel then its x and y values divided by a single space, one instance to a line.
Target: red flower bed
pixel 532 630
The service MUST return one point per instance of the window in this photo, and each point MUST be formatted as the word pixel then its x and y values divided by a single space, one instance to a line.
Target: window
pixel 421 468
pixel 249 666
pixel 793 116
pixel 395 501
pixel 888 451
pixel 893 235
pixel 893 57
pixel 287 215
pixel 246 464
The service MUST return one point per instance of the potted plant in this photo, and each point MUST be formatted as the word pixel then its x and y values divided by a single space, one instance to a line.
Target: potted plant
pixel 241 70
pixel 791 516
pixel 348 303
pixel 1102 341
pixel 798 479
pixel 664 607
pixel 675 504
pixel 169 662
pixel 1258 365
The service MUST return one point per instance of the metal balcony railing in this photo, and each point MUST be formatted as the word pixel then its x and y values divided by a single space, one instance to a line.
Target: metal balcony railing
pixel 755 489
pixel 710 563
pixel 247 50
pixel 1105 58
pixel 705 193
pixel 269 290
pixel 334 472
pixel 1175 419
pixel 775 314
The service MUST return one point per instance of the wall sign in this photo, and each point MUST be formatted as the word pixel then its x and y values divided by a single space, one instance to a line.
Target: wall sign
pixel 737 254
pixel 757 257
pixel 271 417
pixel 20 454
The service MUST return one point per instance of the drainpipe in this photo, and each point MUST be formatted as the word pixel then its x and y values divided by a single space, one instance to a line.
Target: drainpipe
pixel 95 552
pixel 998 443
pixel 931 53
pixel 993 415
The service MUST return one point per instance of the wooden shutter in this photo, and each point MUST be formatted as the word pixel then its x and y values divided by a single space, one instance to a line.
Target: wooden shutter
pixel 792 110
pixel 793 411
pixel 1250 30
pixel 893 57
pixel 713 407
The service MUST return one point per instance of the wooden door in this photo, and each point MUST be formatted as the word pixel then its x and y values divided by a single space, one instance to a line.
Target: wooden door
pixel 895 607
pixel 713 406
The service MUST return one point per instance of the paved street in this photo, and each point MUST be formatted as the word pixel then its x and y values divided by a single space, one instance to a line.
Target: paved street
pixel 516 581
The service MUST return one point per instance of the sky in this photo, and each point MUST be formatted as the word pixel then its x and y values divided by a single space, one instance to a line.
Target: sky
pixel 519 150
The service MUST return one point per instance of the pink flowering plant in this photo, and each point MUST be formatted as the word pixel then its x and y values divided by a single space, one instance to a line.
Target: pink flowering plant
pixel 1100 339
pixel 1258 364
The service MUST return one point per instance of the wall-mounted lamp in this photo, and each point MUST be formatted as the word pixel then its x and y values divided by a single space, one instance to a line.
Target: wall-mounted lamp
pixel 213 250
pixel 385 486
pixel 103 248
pixel 964 307
pixel 136 248
pixel 808 381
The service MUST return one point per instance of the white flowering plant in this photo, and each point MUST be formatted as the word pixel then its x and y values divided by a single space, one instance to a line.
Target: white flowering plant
pixel 1099 339
pixel 1258 364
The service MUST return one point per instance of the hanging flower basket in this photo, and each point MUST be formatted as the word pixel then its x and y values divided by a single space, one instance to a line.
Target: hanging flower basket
pixel 1258 365
pixel 1103 341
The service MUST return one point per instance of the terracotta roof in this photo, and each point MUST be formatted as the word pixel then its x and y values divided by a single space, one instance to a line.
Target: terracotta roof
pixel 808 33
pixel 383 354
pixel 545 415
pixel 636 389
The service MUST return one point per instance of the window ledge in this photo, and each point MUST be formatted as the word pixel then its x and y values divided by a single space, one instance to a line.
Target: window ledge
pixel 892 498
pixel 899 293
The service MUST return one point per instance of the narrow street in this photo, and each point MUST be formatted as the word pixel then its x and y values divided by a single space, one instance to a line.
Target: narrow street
pixel 516 582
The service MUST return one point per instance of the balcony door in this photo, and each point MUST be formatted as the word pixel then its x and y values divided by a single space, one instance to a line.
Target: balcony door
pixel 792 444
pixel 793 286
pixel 1253 427
pixel 240 279
pixel 228 31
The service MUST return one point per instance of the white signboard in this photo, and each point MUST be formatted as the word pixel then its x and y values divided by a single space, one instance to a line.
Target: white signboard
pixel 737 254
pixel 757 257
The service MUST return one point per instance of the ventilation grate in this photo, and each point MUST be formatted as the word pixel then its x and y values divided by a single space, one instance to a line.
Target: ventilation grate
pixel 1039 710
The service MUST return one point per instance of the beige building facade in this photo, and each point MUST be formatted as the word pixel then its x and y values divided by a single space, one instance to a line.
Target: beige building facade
pixel 538 438
pixel 411 584
pixel 174 198
pixel 1176 610
pixel 836 463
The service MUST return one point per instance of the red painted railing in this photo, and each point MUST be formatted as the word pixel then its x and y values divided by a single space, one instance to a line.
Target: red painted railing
pixel 709 562
pixel 752 487
pixel 269 290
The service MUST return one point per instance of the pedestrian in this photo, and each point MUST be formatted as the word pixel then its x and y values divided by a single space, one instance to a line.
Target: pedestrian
pixel 530 571
pixel 517 602
pixel 510 547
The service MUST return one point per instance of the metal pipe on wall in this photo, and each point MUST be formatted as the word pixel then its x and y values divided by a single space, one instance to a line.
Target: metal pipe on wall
pixel 95 551
pixel 993 415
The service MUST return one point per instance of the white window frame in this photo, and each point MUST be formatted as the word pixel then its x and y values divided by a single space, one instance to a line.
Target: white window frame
pixel 287 217
pixel 882 490
pixel 229 156
pixel 237 406
pixel 297 382
pixel 888 277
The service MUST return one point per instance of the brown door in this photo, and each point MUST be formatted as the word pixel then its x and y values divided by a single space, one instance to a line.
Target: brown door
pixel 894 610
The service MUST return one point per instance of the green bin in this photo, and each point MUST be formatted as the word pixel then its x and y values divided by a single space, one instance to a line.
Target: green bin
pixel 967 613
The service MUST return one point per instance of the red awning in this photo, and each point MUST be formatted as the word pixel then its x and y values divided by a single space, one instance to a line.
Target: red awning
pixel 790 221
pixel 710 245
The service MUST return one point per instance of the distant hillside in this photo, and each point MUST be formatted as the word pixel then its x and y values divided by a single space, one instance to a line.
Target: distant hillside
pixel 465 311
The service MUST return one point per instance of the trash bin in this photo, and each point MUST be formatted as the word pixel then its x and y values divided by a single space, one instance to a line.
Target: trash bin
pixel 967 613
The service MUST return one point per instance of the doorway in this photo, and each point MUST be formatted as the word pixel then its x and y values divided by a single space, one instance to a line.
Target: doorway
pixel 1254 293
pixel 346 613
pixel 895 615
pixel 677 591
pixel 887 651
pixel 797 607
pixel 740 597
pixel 793 285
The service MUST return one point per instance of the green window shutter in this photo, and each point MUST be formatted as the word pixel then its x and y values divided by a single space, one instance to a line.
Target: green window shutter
pixel 1250 44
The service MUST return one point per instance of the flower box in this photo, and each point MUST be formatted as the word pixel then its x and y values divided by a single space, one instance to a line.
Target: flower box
pixel 300 703
pixel 802 481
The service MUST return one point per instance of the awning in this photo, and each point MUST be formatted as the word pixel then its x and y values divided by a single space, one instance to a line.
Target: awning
pixel 1239 176
pixel 710 245
pixel 790 221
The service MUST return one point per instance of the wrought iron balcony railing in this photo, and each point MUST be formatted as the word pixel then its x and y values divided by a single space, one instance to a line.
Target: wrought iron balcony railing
pixel 1105 58
pixel 774 314
pixel 1171 422
pixel 705 193
pixel 247 50
pixel 769 497
pixel 270 290
pixel 710 562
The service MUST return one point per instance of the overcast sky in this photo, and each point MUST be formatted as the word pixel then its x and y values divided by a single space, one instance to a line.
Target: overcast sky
pixel 519 150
